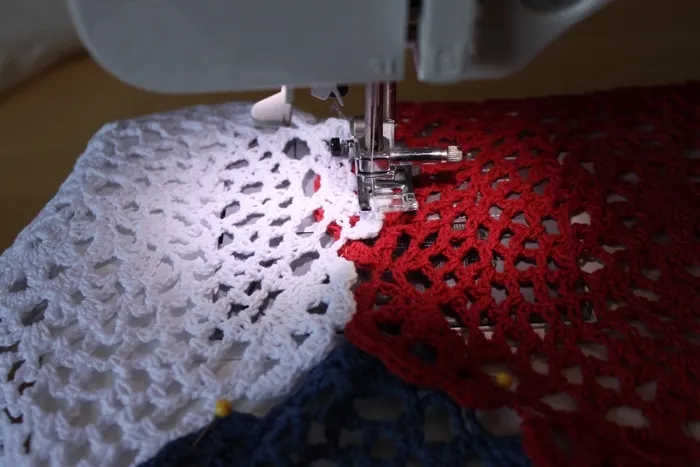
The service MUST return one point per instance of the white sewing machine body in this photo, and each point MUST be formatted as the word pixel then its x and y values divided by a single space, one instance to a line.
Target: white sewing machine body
pixel 185 46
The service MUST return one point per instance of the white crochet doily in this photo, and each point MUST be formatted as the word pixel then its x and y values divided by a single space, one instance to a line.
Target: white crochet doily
pixel 178 264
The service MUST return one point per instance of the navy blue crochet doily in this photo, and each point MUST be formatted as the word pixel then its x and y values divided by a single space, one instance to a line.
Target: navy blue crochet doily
pixel 324 424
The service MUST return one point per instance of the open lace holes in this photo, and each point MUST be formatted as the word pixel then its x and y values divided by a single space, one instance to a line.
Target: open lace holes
pixel 419 280
pixel 252 188
pixel 242 256
pixel 239 164
pixel 631 177
pixel 647 294
pixel 231 209
pixel 615 198
pixel 427 130
pixel 482 232
pixel 519 218
pixel 580 217
pixel 216 335
pixel 498 262
pixel 296 149
pixel 614 248
pixel 560 401
pixel 627 417
pixel 381 299
pixel 402 244
pixel 450 280
pixel 429 240
pixel 629 222
pixel 433 197
pixel 309 182
pixel 438 260
pixel 304 226
pixel 662 238
pixel 280 221
pixel 523 264
pixel 471 257
pixel 268 263
pixel 451 316
pixel 265 305
pixel 505 237
pixel 693 269
pixel 540 187
pixel 283 185
pixel 692 153
pixel 527 291
pixel 319 308
pixel 591 265
pixel 652 274
pixel 34 314
pixel 303 263
pixel 253 287
pixel 532 244
pixel 501 179
pixel 498 292
pixel 250 219
pixel 19 285
pixel 550 225
pixel 460 223
pixel 588 167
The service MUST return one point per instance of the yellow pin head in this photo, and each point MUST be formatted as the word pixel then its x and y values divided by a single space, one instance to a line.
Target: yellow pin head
pixel 223 408
pixel 503 380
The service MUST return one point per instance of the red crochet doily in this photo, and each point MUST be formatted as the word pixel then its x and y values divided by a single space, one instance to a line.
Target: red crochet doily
pixel 579 214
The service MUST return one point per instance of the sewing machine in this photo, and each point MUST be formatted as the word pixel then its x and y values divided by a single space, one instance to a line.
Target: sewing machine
pixel 185 46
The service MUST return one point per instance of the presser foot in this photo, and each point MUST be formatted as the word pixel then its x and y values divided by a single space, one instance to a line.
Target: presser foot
pixel 385 178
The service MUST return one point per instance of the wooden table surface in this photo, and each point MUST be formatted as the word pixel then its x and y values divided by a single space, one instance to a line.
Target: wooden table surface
pixel 46 122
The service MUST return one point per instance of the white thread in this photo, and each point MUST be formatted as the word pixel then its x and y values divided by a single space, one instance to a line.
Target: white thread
pixel 107 296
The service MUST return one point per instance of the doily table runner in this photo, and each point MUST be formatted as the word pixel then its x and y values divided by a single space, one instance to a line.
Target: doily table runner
pixel 349 411
pixel 180 263
pixel 567 251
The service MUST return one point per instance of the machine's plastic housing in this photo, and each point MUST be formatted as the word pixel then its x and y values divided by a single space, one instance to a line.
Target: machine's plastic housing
pixel 485 39
pixel 182 46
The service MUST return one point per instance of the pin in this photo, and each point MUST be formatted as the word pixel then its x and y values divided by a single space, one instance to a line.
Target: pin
pixel 503 380
pixel 222 409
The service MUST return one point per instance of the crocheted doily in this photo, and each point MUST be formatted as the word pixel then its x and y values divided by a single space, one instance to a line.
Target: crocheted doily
pixel 568 252
pixel 179 263
pixel 350 411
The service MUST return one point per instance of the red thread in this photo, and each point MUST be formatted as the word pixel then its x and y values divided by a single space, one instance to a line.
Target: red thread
pixel 333 230
pixel 609 181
